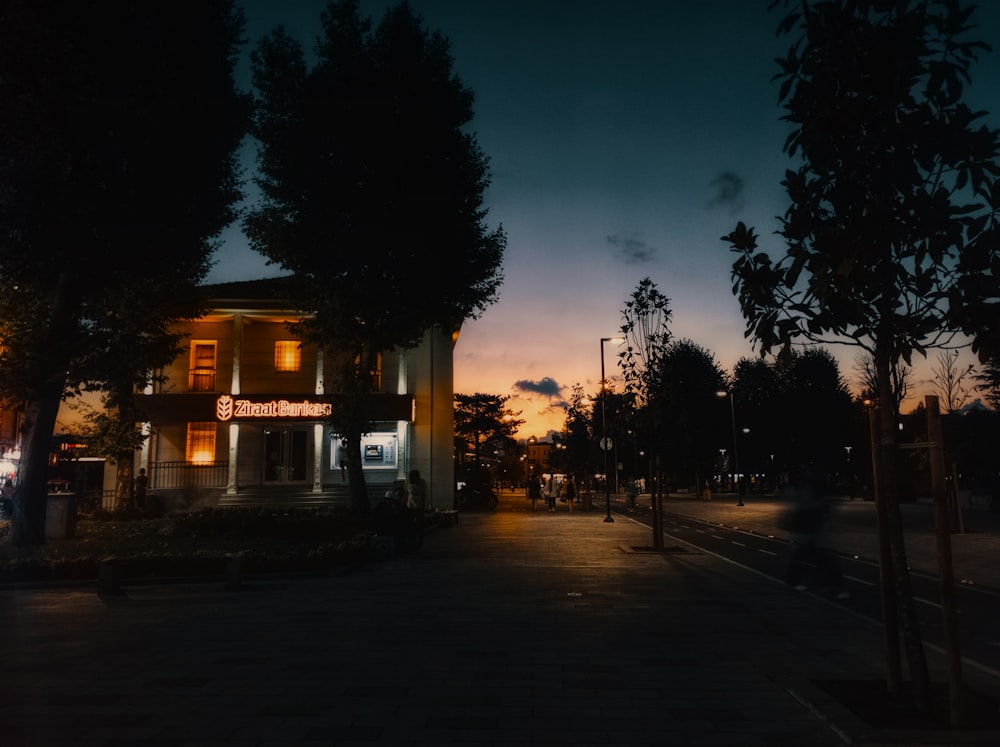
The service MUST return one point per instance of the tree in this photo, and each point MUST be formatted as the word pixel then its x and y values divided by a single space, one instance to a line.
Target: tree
pixel 482 419
pixel 989 381
pixel 372 195
pixel 796 409
pixel 867 379
pixel 645 328
pixel 119 126
pixel 579 431
pixel 758 397
pixel 817 409
pixel 891 233
pixel 682 391
pixel 954 384
pixel 132 335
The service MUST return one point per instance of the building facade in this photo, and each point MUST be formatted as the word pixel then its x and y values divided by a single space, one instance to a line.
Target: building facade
pixel 244 410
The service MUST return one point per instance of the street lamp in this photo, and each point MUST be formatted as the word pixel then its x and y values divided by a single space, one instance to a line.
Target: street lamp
pixel 605 441
pixel 736 456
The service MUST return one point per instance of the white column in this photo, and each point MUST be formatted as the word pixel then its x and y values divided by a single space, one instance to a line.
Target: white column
pixel 317 458
pixel 403 427
pixel 234 452
pixel 318 444
pixel 232 486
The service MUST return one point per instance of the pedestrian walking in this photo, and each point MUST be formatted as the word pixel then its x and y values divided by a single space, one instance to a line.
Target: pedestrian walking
pixel 552 492
pixel 141 485
pixel 416 501
pixel 569 492
pixel 811 563
pixel 534 491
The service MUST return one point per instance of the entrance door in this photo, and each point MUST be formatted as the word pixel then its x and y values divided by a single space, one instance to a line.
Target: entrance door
pixel 285 455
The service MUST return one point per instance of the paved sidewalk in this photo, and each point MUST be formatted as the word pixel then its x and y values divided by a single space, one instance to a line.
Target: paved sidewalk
pixel 512 628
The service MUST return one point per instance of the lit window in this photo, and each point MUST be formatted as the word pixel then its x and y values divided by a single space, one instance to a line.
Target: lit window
pixel 202 366
pixel 287 356
pixel 200 443
pixel 375 373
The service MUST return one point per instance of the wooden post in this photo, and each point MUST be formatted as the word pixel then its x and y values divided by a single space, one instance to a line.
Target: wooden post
pixel 942 530
pixel 887 579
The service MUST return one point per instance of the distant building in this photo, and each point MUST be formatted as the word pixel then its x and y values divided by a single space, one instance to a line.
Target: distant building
pixel 538 455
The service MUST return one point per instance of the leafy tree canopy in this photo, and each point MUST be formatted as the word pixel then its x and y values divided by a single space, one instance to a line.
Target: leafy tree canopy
pixel 683 399
pixel 372 194
pixel 481 419
pixel 892 239
pixel 373 187
pixel 892 235
pixel 119 126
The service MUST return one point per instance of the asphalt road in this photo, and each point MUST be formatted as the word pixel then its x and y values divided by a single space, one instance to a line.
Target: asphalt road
pixel 769 553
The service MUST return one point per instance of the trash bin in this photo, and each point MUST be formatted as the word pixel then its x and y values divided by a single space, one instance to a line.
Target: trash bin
pixel 60 516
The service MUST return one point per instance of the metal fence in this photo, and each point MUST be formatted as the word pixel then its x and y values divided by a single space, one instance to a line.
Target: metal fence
pixel 173 475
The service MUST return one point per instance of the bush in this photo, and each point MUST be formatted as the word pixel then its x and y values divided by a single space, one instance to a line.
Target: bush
pixel 268 539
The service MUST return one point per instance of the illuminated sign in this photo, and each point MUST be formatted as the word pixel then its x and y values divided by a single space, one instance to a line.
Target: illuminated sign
pixel 228 408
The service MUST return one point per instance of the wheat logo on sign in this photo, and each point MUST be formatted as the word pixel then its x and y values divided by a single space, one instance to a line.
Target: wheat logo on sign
pixel 224 408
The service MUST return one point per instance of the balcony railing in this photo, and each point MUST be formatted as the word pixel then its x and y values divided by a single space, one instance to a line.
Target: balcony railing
pixel 202 380
pixel 174 475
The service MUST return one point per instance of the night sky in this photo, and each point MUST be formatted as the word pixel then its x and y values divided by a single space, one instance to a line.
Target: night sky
pixel 624 139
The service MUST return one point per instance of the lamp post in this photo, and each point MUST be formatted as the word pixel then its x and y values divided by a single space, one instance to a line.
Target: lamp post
pixel 605 441
pixel 850 473
pixel 736 456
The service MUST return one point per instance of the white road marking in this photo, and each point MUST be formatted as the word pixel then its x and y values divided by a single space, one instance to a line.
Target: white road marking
pixel 857 580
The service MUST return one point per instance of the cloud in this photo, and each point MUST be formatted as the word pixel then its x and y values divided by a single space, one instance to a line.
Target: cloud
pixel 728 189
pixel 547 387
pixel 632 248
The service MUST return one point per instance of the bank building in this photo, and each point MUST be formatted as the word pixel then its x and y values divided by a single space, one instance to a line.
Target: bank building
pixel 242 414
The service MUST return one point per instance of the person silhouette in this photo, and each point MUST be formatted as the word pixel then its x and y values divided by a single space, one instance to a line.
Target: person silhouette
pixel 569 491
pixel 810 561
pixel 534 491
pixel 551 491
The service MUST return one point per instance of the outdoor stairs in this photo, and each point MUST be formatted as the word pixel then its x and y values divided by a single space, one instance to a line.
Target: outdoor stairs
pixel 288 496
pixel 298 496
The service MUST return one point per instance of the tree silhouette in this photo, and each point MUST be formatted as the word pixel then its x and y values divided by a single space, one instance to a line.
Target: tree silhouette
pixel 892 229
pixel 119 127
pixel 683 389
pixel 481 419
pixel 373 195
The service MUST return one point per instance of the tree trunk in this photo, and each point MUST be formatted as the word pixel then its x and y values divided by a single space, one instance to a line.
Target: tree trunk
pixel 124 484
pixel 949 604
pixel 360 504
pixel 909 627
pixel 40 413
pixel 31 487
pixel 890 614
pixel 124 403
